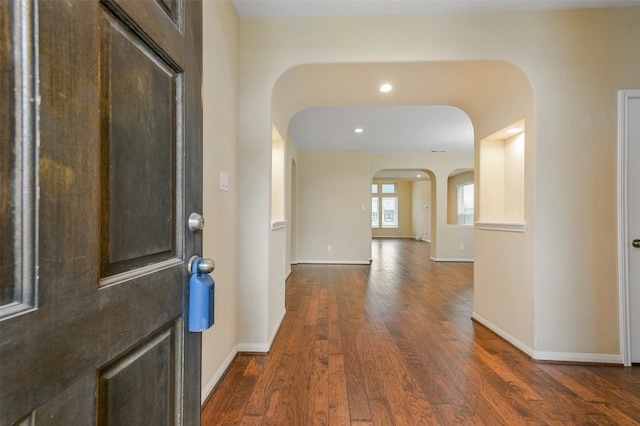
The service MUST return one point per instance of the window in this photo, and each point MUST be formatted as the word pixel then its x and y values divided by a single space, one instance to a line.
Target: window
pixel 389 188
pixel 374 212
pixel 384 210
pixel 465 204
pixel 389 212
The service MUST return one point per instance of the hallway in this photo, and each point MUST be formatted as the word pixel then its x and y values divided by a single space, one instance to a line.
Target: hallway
pixel 393 343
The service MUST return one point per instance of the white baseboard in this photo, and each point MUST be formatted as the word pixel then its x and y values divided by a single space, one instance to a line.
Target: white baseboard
pixel 263 347
pixel 253 347
pixel 336 262
pixel 577 357
pixel 549 356
pixel 276 327
pixel 447 259
pixel 506 336
pixel 217 376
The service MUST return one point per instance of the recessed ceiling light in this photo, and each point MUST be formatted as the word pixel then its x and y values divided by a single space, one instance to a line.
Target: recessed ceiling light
pixel 358 130
pixel 386 88
pixel 514 130
pixel 418 175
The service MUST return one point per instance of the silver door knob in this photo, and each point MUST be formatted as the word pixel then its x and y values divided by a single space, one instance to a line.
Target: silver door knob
pixel 205 266
pixel 636 243
pixel 196 222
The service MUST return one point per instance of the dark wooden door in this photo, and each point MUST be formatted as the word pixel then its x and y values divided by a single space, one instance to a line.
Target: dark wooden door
pixel 101 124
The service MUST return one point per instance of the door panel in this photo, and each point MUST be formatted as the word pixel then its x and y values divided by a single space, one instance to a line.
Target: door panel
pixel 139 387
pixel 94 298
pixel 139 133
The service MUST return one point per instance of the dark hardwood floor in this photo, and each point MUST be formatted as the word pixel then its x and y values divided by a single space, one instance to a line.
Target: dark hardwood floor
pixel 394 344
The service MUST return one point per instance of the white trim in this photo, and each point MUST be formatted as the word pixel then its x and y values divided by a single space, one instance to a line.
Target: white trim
pixel 278 224
pixel 277 327
pixel 393 236
pixel 502 226
pixel 623 227
pixel 253 347
pixel 263 347
pixel 454 226
pixel 336 262
pixel 506 336
pixel 548 356
pixel 450 259
pixel 206 392
pixel 577 357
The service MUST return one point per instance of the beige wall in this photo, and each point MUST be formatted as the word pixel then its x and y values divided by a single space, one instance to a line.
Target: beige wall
pixel 421 209
pixel 514 178
pixel 405 219
pixel 292 204
pixel 502 191
pixel 333 207
pixel 567 68
pixel 220 109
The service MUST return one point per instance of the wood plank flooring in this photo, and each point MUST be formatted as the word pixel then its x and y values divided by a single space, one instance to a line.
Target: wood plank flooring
pixel 393 343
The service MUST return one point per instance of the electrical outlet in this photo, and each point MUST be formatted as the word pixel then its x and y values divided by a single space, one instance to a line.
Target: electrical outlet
pixel 329 247
pixel 461 246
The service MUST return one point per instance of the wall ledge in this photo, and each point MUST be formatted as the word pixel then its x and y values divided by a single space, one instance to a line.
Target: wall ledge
pixel 502 226
pixel 336 262
pixel 278 224
pixel 454 226
pixel 451 259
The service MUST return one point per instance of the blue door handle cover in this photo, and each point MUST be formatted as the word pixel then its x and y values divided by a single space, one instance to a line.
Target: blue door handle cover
pixel 201 299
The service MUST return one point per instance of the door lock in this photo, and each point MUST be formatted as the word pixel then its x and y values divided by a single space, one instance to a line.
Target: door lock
pixel 636 243
pixel 205 266
pixel 196 222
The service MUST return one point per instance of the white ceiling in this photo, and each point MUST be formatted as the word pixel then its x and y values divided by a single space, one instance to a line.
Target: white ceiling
pixel 393 129
pixel 300 8
pixel 386 129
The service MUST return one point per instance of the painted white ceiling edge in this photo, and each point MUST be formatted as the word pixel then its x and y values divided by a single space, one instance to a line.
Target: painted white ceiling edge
pixel 386 130
pixel 403 174
pixel 325 8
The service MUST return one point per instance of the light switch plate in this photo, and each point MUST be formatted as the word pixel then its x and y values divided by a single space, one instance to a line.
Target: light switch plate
pixel 224 181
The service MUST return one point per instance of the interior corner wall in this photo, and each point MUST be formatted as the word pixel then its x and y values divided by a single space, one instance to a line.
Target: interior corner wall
pixel 220 235
pixel 334 195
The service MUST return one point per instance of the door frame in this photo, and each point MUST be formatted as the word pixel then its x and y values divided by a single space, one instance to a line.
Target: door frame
pixel 623 226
